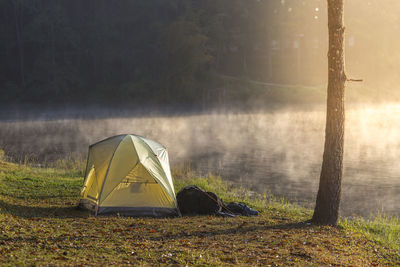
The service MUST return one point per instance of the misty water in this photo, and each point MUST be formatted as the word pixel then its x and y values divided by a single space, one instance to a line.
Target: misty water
pixel 277 152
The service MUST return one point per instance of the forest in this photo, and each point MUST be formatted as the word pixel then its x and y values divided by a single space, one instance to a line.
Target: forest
pixel 151 52
pixel 186 52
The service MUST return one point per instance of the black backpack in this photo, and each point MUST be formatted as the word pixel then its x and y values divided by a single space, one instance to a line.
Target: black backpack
pixel 192 200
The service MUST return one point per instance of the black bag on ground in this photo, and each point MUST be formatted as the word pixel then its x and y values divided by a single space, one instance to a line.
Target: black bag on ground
pixel 193 200
pixel 241 209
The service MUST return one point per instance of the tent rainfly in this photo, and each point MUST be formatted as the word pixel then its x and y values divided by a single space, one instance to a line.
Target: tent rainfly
pixel 129 175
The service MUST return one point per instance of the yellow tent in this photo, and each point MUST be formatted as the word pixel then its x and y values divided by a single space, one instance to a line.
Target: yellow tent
pixel 129 175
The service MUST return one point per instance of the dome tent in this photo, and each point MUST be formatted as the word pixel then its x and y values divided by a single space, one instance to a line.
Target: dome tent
pixel 129 175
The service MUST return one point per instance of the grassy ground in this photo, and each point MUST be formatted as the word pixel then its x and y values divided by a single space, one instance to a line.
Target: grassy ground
pixel 39 225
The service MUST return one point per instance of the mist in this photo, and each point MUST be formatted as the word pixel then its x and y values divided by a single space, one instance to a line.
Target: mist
pixel 277 152
pixel 233 88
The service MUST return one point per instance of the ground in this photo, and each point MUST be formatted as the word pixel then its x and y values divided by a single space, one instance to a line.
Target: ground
pixel 40 225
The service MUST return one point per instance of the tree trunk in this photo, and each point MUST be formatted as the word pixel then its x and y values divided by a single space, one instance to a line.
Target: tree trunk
pixel 328 199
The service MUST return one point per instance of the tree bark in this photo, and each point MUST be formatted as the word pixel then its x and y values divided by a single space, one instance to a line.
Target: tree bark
pixel 328 199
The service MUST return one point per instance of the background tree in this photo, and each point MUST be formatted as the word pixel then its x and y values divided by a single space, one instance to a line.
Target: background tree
pixel 328 199
pixel 132 52
pixel 181 52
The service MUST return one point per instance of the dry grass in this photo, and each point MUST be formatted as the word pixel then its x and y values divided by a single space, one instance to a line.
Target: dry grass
pixel 41 226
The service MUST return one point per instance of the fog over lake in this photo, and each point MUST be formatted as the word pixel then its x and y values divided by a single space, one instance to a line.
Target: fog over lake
pixel 279 151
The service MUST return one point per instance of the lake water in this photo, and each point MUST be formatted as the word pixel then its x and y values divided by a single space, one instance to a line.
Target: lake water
pixel 278 151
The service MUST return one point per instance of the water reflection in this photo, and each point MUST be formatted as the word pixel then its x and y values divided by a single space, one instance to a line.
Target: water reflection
pixel 278 152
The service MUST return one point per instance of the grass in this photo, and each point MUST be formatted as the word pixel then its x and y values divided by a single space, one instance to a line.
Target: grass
pixel 39 225
pixel 383 230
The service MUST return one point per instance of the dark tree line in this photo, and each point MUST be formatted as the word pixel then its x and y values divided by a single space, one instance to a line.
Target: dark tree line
pixel 152 51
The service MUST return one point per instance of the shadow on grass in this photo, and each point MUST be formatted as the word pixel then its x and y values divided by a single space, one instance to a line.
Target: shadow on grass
pixel 41 212
pixel 236 230
pixel 73 212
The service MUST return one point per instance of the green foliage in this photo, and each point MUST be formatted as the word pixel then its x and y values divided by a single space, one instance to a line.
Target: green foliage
pixel 146 52
pixel 173 52
pixel 72 165
pixel 2 155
